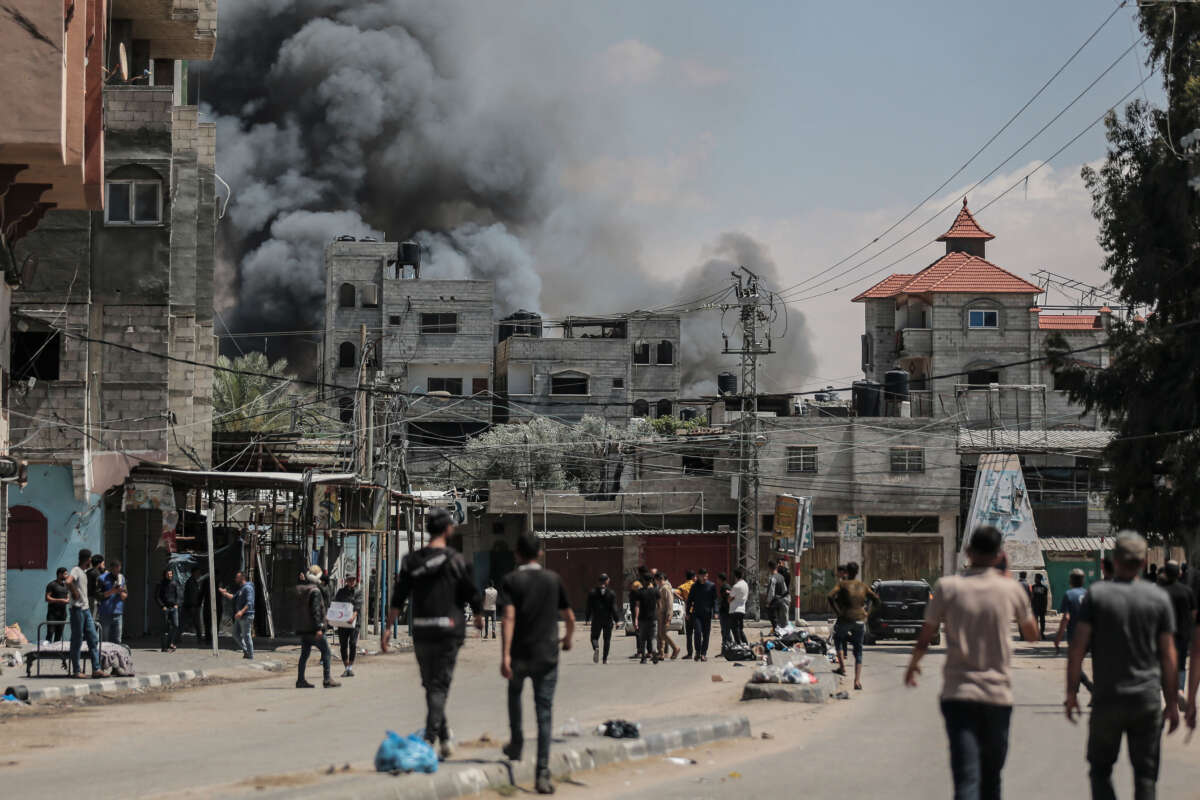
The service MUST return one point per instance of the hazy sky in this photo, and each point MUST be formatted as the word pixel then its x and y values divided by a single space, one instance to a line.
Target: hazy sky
pixel 814 126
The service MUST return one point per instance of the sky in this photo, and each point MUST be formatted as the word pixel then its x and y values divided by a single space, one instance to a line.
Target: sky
pixel 814 126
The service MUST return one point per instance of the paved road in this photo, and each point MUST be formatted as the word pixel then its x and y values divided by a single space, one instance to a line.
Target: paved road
pixel 214 741
pixel 888 737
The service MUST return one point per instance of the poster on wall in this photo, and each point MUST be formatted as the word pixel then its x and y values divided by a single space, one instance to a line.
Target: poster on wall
pixel 1000 499
pixel 852 526
pixel 787 519
pixel 143 496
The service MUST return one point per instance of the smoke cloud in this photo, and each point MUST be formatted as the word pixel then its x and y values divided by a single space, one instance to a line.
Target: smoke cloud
pixel 446 122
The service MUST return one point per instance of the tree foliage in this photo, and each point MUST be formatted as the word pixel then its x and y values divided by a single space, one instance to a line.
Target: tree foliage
pixel 1149 391
pixel 247 401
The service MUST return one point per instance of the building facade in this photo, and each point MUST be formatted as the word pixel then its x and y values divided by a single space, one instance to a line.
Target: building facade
pixel 107 335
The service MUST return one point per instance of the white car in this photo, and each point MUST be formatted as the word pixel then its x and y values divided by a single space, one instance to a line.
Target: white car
pixel 676 618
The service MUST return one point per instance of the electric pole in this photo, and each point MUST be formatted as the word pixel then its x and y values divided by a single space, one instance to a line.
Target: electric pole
pixel 755 307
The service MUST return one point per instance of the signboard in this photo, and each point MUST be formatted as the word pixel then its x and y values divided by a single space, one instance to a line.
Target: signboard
pixel 793 532
pixel 142 496
pixel 1000 499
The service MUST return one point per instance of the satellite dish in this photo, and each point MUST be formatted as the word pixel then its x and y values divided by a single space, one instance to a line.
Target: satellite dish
pixel 123 59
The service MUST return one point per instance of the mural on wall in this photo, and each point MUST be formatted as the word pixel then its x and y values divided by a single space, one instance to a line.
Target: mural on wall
pixel 1001 499
pixel 143 496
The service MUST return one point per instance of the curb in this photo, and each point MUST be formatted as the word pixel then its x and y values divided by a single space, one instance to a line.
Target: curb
pixel 479 777
pixel 84 688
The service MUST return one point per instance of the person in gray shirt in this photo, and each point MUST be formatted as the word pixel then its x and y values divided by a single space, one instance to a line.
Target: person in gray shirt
pixel 1131 627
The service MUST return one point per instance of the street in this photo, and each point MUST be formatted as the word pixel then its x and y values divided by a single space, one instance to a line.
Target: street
pixel 265 734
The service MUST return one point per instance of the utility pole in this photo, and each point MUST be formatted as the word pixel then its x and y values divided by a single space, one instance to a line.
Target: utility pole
pixel 528 485
pixel 755 306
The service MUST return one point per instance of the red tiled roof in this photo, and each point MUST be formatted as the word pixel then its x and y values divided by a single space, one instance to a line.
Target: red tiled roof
pixel 1068 322
pixel 953 272
pixel 888 287
pixel 965 227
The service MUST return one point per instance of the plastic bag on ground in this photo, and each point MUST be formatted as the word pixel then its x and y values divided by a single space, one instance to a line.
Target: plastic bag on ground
pixel 766 674
pixel 405 754
pixel 620 729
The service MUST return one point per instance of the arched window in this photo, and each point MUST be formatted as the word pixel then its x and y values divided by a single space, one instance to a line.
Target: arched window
pixel 569 382
pixel 641 353
pixel 346 353
pixel 663 409
pixel 641 408
pixel 346 295
pixel 666 353
pixel 26 538
pixel 133 196
pixel 345 409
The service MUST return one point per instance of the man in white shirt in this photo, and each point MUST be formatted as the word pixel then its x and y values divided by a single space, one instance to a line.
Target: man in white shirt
pixel 738 594
pixel 80 614
pixel 489 609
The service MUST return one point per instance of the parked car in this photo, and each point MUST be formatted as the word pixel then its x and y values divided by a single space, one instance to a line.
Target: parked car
pixel 676 618
pixel 900 612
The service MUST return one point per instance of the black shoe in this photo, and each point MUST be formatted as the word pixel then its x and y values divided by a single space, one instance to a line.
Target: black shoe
pixel 303 684
pixel 512 751
pixel 643 661
pixel 543 785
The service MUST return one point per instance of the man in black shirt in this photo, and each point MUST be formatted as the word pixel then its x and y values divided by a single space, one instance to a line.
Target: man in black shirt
pixel 57 599
pixel 1184 604
pixel 531 601
pixel 643 603
pixel 602 613
pixel 1039 598
pixel 93 580
pixel 440 583
pixel 702 603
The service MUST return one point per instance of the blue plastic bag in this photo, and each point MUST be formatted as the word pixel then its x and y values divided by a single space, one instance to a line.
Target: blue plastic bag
pixel 405 754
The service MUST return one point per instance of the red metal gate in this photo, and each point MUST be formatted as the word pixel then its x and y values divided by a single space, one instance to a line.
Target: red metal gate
pixel 676 553
pixel 579 563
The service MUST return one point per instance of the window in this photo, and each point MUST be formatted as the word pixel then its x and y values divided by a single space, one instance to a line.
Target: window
pixel 902 524
pixel 569 383
pixel 345 409
pixel 641 353
pixel 26 538
pixel 346 355
pixel 663 408
pixel 697 465
pixel 449 385
pixel 641 408
pixel 618 383
pixel 346 295
pixel 439 323
pixel 133 202
pixel 370 295
pixel 825 523
pixel 983 377
pixel 983 318
pixel 479 385
pixel 908 459
pixel 801 459
pixel 35 355
pixel 394 319
pixel 666 353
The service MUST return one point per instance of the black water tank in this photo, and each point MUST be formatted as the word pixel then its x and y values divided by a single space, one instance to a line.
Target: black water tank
pixel 727 383
pixel 410 254
pixel 867 397
pixel 895 389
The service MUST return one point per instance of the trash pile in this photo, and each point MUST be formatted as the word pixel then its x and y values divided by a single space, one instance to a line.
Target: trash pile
pixel 785 673
pixel 620 729
pixel 791 636
pixel 410 753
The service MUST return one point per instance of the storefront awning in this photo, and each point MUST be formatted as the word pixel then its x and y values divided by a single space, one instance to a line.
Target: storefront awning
pixel 1071 544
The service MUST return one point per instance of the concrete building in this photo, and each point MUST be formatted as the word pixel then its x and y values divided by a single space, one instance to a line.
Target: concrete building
pixel 113 293
pixel 616 368
pixel 430 338
pixel 959 325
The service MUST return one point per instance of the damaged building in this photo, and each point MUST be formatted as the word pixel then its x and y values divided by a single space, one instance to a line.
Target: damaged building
pixel 107 332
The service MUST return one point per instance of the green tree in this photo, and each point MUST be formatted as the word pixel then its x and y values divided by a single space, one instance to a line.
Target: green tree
pixel 248 401
pixel 1149 392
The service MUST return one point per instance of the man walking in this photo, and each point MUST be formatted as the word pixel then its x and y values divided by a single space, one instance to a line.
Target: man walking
pixel 644 604
pixel 439 582
pixel 57 600
pixel 666 607
pixel 310 624
pixel 532 599
pixel 1069 619
pixel 350 592
pixel 1131 627
pixel 977 608
pixel 776 595
pixel 849 601
pixel 113 593
pixel 243 614
pixel 739 593
pixel 1039 597
pixel 1183 602
pixel 489 609
pixel 82 624
pixel 682 591
pixel 602 614
pixel 702 604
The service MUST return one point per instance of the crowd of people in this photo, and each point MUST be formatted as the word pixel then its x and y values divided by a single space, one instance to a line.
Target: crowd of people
pixel 90 597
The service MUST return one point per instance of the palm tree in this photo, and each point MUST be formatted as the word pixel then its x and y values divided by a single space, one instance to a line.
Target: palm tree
pixel 250 401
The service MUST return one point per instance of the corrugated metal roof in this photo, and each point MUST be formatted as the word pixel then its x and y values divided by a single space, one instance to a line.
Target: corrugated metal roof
pixel 1071 544
pixel 598 534
pixel 995 439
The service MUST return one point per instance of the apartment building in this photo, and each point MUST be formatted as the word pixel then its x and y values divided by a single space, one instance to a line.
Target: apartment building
pixel 123 279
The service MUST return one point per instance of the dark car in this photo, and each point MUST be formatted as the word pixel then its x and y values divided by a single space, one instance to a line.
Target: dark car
pixel 900 612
